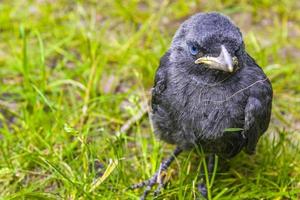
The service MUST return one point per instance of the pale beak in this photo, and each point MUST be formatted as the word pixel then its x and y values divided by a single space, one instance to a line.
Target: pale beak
pixel 223 62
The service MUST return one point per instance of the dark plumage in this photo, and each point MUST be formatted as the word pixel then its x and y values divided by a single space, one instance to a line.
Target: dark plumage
pixel 206 84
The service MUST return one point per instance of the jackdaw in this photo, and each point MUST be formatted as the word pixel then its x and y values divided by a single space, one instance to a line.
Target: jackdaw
pixel 209 93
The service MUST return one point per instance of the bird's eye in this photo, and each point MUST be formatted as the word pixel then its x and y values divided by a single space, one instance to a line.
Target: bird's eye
pixel 194 50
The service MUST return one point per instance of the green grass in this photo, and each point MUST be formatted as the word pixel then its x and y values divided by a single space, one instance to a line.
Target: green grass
pixel 72 73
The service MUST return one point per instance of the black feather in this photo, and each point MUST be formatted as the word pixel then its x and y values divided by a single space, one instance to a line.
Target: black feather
pixel 193 105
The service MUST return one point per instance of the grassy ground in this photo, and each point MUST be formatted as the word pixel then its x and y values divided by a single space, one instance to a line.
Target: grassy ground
pixel 72 73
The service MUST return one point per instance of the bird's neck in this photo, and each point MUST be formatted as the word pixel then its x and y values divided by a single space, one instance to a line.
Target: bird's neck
pixel 210 77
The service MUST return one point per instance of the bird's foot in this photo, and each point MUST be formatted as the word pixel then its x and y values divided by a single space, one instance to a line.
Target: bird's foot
pixel 202 190
pixel 157 178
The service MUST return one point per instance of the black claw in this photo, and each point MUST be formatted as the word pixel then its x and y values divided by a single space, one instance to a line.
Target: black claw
pixel 148 183
pixel 210 167
pixel 140 185
pixel 160 186
pixel 202 189
pixel 156 178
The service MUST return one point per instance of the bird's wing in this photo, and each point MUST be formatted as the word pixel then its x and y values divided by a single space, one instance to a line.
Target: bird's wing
pixel 257 113
pixel 160 81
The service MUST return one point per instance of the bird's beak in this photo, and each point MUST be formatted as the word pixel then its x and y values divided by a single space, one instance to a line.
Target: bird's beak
pixel 223 62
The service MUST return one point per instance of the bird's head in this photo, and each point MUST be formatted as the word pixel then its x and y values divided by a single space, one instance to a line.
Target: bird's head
pixel 208 41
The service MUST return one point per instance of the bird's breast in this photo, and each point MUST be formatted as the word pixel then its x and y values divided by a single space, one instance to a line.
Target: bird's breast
pixel 191 113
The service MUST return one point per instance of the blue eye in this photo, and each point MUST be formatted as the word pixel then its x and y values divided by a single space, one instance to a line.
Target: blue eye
pixel 194 50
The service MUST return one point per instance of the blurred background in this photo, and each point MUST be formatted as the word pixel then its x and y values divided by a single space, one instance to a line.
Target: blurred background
pixel 75 80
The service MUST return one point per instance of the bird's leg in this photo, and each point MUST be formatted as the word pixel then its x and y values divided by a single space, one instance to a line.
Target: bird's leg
pixel 211 164
pixel 156 178
pixel 210 168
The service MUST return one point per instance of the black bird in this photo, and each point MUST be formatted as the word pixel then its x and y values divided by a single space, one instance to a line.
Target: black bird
pixel 208 92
